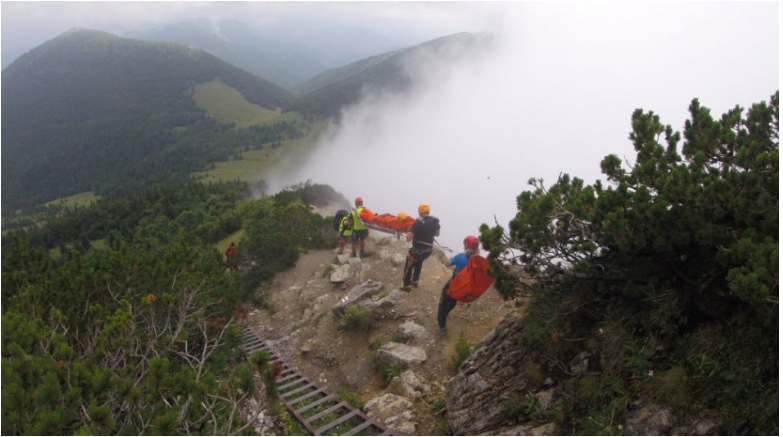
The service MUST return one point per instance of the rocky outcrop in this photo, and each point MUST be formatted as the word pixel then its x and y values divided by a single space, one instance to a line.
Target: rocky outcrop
pixel 264 422
pixel 409 385
pixel 473 397
pixel 413 332
pixel 379 304
pixel 395 412
pixel 395 258
pixel 477 397
pixel 358 293
pixel 402 353
pixel 340 274
pixel 651 419
pixel 532 430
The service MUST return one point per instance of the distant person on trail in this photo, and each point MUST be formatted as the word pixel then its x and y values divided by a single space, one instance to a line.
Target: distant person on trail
pixel 360 231
pixel 231 257
pixel 422 234
pixel 460 261
pixel 346 229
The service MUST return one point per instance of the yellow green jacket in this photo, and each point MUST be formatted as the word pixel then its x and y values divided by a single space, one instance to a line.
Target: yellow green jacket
pixel 358 224
pixel 345 229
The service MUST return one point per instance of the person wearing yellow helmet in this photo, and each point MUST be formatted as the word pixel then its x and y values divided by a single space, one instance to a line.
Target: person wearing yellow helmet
pixel 422 236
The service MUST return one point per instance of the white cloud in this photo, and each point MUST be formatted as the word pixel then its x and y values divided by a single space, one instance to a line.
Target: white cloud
pixel 555 96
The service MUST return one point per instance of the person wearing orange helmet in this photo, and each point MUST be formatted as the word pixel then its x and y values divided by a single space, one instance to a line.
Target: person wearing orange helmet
pixel 422 235
pixel 459 261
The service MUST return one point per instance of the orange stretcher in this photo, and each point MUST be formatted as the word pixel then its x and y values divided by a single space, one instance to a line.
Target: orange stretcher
pixel 391 224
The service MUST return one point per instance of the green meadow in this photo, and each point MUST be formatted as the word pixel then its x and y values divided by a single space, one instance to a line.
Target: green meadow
pixel 257 164
pixel 226 104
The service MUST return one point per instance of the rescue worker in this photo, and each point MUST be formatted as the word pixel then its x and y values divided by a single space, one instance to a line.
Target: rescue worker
pixel 459 261
pixel 231 257
pixel 346 229
pixel 360 231
pixel 422 235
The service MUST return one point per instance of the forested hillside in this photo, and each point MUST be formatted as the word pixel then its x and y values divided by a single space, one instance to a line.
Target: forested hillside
pixel 138 337
pixel 89 111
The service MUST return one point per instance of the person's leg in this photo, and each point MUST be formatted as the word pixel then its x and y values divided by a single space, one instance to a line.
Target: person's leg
pixel 447 303
pixel 442 305
pixel 353 244
pixel 407 271
pixel 417 267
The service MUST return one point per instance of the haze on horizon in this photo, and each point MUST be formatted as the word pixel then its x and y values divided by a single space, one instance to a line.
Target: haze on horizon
pixel 26 25
pixel 554 95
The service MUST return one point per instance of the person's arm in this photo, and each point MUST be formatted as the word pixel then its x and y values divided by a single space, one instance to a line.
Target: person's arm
pixel 408 236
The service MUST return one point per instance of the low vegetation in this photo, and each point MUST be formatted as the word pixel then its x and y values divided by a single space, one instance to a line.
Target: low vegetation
pixel 139 337
pixel 664 284
pixel 461 352
pixel 355 318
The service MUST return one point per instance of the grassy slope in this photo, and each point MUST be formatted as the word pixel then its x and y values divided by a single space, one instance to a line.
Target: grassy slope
pixel 236 237
pixel 258 163
pixel 81 199
pixel 38 218
pixel 226 104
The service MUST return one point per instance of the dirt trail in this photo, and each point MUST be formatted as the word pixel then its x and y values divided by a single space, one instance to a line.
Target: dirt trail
pixel 304 331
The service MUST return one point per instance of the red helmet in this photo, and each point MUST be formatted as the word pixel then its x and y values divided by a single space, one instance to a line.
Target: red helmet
pixel 358 201
pixel 471 242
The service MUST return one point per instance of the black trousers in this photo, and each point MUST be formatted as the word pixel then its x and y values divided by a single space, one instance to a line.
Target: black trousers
pixel 447 303
pixel 413 264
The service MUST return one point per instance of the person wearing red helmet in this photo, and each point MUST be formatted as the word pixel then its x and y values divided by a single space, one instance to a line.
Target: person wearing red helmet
pixel 459 261
pixel 360 231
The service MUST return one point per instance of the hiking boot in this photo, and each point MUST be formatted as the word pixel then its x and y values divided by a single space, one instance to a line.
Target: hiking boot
pixel 361 254
pixel 405 288
pixel 353 254
pixel 443 332
pixel 415 284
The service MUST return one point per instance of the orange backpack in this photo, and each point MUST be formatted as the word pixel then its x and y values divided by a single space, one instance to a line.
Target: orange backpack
pixel 472 281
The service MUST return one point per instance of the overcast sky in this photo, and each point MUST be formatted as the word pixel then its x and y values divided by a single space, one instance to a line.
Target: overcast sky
pixel 26 25
pixel 555 95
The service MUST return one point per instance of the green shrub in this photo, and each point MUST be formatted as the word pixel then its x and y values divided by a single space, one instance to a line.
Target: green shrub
pixel 352 398
pixel 461 352
pixel 355 318
pixel 386 369
pixel 667 275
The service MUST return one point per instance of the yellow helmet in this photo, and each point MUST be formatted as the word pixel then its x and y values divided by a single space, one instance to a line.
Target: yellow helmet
pixel 424 207
pixel 402 216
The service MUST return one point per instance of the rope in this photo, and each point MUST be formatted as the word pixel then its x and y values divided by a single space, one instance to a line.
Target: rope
pixel 444 247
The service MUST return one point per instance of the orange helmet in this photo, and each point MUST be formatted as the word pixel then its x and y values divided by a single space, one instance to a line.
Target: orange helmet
pixel 402 216
pixel 358 201
pixel 471 242
pixel 424 207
